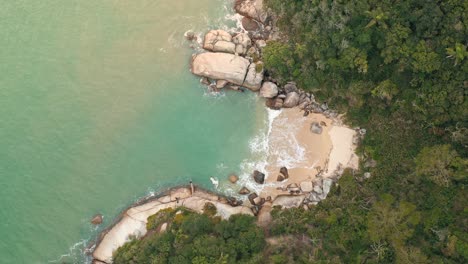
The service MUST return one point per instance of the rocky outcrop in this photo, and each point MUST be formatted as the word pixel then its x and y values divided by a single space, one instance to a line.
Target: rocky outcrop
pixel 288 201
pixel 252 9
pixel 219 41
pixel 291 100
pixel 133 221
pixel 229 67
pixel 269 90
pixel 242 43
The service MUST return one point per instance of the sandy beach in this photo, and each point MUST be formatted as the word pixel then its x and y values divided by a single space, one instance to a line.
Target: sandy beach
pixel 307 155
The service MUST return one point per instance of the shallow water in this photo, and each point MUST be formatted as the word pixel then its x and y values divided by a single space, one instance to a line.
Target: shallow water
pixel 97 109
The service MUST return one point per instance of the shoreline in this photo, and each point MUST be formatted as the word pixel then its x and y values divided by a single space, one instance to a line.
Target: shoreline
pixel 307 147
pixel 132 221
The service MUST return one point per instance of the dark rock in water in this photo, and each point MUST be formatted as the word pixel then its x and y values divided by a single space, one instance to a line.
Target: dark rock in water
pixel 190 36
pixel 233 178
pixel 316 128
pixel 259 177
pixel 250 24
pixel 97 219
pixel 205 81
pixel 252 197
pixel 285 172
pixel 244 191
pixel 280 178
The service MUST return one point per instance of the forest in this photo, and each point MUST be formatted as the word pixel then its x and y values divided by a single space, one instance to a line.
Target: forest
pixel 396 68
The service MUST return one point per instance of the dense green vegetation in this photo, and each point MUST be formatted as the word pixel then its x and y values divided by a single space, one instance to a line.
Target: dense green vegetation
pixel 398 69
pixel 195 238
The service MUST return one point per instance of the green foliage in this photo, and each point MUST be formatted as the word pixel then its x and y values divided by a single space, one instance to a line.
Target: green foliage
pixel 441 164
pixel 398 69
pixel 160 217
pixel 209 209
pixel 197 238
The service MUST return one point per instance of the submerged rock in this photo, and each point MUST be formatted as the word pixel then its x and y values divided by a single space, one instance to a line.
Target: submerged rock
pixel 97 219
pixel 259 177
pixel 229 67
pixel 233 178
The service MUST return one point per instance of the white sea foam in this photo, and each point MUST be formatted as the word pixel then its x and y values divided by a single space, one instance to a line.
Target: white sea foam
pixel 259 147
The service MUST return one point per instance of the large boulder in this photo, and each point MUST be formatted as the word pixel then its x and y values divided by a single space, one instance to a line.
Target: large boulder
pixel 327 184
pixel 288 201
pixel 250 24
pixel 242 43
pixel 291 100
pixel 269 90
pixel 252 9
pixel 229 67
pixel 219 41
pixel 285 172
pixel 259 177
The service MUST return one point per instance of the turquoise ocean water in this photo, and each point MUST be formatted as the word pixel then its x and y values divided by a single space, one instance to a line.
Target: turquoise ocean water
pixel 97 109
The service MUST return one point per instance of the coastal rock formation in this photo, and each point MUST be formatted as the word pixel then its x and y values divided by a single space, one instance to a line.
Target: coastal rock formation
pixel 250 24
pixel 291 100
pixel 219 41
pixel 229 67
pixel 269 90
pixel 133 220
pixel 259 177
pixel 252 9
pixel 288 201
pixel 242 42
